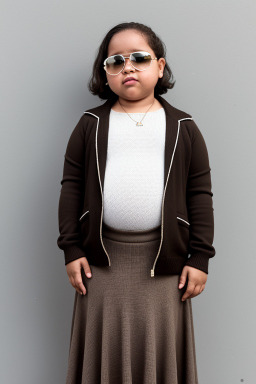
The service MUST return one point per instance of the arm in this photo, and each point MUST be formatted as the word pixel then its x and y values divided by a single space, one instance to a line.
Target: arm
pixel 200 204
pixel 71 195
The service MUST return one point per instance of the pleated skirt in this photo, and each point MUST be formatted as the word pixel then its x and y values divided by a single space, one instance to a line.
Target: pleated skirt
pixel 131 328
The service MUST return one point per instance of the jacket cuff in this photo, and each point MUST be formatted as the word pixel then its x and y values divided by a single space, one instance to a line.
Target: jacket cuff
pixel 199 261
pixel 73 252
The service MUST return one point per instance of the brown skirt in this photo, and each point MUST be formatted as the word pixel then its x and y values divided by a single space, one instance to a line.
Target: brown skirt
pixel 131 328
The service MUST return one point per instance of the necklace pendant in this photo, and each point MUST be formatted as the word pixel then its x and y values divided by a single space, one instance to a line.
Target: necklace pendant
pixel 139 123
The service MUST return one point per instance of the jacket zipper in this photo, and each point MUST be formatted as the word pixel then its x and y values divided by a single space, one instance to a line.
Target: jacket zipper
pixel 109 263
pixel 152 274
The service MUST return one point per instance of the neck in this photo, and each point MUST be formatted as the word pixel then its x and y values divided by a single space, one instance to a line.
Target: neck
pixel 133 106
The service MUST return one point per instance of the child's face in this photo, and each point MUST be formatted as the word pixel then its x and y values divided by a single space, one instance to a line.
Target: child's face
pixel 126 42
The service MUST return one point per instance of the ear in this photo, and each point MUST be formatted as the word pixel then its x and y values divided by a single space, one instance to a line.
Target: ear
pixel 161 65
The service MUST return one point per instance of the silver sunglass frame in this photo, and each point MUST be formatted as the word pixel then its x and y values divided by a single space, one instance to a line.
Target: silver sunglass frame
pixel 128 57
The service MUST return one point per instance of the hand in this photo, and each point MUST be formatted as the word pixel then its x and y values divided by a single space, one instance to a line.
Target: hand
pixel 196 281
pixel 74 273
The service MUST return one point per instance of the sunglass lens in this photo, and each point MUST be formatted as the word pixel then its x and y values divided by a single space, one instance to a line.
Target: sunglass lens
pixel 114 64
pixel 141 60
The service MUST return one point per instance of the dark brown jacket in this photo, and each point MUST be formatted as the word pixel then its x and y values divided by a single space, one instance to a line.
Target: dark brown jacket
pixel 187 221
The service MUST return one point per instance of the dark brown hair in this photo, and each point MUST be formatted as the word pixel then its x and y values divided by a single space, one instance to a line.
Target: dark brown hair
pixel 97 83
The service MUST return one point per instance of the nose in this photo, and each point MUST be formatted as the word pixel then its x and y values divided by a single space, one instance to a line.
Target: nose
pixel 128 66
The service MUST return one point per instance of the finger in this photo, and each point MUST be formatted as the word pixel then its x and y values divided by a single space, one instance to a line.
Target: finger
pixel 79 284
pixel 183 278
pixel 87 269
pixel 202 288
pixel 72 282
pixel 189 291
pixel 196 291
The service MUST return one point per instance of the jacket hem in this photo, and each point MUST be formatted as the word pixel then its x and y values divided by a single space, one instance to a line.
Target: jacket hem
pixel 170 266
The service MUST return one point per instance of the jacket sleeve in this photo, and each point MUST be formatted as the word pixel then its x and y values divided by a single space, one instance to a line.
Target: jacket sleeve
pixel 200 204
pixel 71 195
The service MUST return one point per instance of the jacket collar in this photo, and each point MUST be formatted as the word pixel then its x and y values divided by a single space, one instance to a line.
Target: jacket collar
pixel 173 117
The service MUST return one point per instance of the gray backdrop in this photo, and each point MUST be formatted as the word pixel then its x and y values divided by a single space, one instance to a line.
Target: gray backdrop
pixel 47 51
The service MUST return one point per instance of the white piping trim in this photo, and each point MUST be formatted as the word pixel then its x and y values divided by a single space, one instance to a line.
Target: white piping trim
pixel 96 136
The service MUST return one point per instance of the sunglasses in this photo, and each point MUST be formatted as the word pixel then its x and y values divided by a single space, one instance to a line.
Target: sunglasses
pixel 141 61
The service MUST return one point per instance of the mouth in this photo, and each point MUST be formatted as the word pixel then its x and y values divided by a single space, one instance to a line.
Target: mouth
pixel 129 80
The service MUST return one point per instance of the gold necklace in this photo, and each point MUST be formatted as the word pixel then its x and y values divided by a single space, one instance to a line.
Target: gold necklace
pixel 138 123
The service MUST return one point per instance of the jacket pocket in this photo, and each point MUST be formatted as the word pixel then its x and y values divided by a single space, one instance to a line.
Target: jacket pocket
pixel 182 234
pixel 84 215
pixel 84 224
pixel 183 220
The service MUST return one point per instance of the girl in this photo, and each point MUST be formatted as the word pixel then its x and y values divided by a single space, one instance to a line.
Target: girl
pixel 135 221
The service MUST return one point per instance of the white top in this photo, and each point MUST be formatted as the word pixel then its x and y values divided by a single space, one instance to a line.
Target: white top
pixel 134 175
